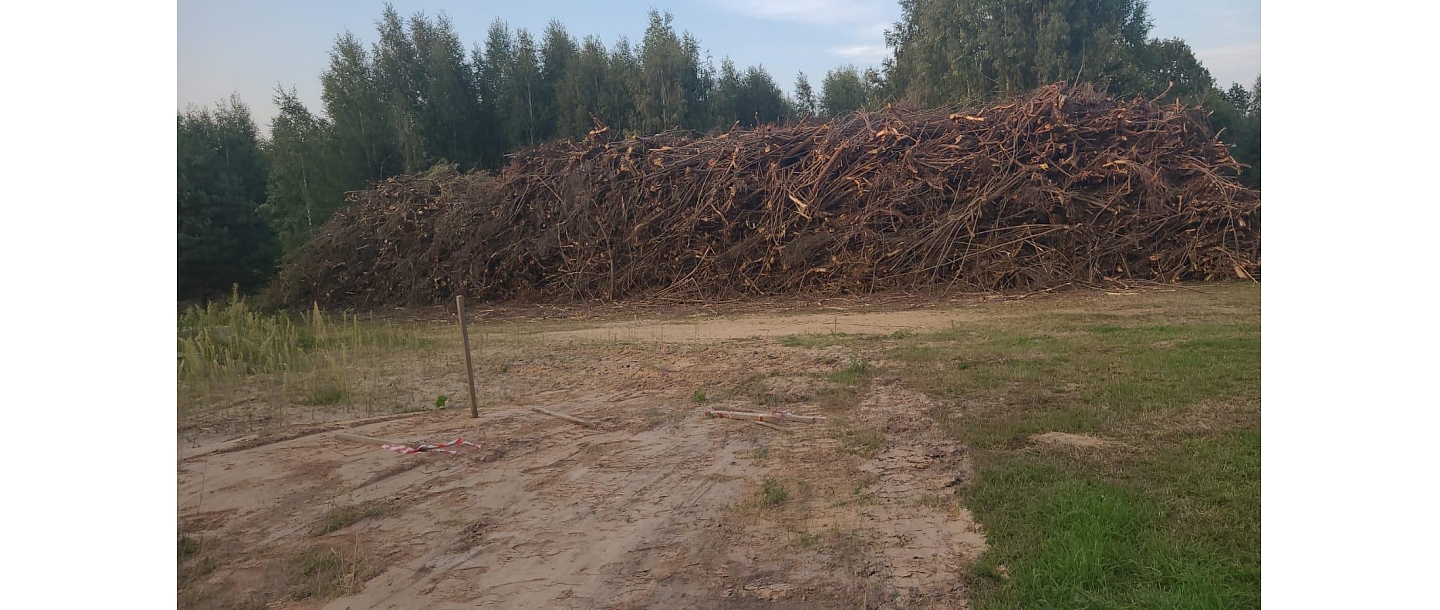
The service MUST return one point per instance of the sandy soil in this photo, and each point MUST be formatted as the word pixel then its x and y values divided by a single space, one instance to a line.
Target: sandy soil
pixel 655 507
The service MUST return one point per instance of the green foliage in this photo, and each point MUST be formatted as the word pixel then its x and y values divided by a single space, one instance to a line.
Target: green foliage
pixel 804 101
pixel 440 401
pixel 843 91
pixel 698 396
pixel 450 118
pixel 524 106
pixel 673 83
pixel 221 237
pixel 304 187
pixel 749 98
pixel 964 50
pixel 946 49
pixel 557 54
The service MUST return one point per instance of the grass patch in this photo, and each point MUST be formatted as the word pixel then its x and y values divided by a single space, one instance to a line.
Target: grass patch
pixel 837 398
pixel 342 516
pixel 818 340
pixel 1073 540
pixel 194 560
pixel 772 494
pixel 327 389
pixel 232 356
pixel 322 573
pixel 862 441
pixel 223 339
pixel 1170 518
pixel 858 370
pixel 185 546
pixel 698 396
pixel 916 353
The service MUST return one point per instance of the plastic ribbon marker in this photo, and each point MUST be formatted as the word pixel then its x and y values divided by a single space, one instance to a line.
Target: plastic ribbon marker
pixel 442 447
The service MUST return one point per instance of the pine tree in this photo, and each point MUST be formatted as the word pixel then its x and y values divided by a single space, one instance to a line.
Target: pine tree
pixel 581 94
pixel 450 114
pixel 221 239
pixel 557 53
pixel 493 71
pixel 622 113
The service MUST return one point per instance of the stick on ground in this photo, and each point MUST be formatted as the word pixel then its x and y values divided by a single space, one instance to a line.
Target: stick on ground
pixel 804 419
pixel 356 438
pixel 564 416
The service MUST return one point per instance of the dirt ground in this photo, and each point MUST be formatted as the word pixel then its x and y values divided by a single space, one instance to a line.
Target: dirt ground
pixel 655 507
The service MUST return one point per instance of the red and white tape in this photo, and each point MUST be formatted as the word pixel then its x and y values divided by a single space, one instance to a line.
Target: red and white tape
pixel 407 450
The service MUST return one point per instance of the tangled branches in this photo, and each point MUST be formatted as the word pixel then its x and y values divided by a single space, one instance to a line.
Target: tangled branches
pixel 1063 186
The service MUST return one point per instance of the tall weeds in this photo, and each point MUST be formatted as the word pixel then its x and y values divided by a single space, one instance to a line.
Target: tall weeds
pixel 309 353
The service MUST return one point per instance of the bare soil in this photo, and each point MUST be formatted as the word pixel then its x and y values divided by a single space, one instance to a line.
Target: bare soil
pixel 656 507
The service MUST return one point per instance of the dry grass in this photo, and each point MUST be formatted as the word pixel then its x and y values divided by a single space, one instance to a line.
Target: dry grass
pixel 239 367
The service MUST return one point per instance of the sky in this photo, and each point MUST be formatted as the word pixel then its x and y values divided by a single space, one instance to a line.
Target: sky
pixel 251 47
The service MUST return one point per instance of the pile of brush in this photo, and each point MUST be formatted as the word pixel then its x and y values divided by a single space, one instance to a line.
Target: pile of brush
pixel 1064 186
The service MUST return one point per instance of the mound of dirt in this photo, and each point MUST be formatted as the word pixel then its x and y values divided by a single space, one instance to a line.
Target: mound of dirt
pixel 1063 186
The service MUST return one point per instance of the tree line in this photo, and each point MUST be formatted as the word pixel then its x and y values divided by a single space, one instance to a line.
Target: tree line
pixel 416 97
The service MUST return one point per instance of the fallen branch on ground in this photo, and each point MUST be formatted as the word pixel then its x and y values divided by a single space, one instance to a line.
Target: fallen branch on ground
pixel 764 417
pixel 564 416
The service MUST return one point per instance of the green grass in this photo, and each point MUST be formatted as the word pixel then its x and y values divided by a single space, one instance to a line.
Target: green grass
pixel 1072 539
pixel 772 494
pixel 858 370
pixel 1167 518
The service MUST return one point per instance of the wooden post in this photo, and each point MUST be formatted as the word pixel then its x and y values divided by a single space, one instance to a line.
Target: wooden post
pixel 469 368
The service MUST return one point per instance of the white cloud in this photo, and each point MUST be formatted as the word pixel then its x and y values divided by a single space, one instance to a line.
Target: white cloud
pixel 1232 63
pixel 857 26
pixel 850 13
pixel 862 53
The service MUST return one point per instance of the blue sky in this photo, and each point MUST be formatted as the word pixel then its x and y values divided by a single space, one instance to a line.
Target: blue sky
pixel 250 47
